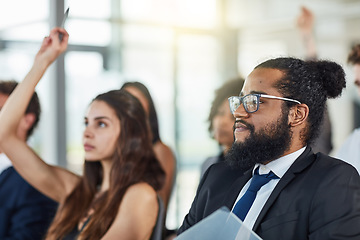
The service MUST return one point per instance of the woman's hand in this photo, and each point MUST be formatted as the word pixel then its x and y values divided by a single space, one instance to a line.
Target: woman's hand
pixel 52 47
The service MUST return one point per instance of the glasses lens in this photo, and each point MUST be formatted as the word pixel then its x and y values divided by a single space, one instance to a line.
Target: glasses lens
pixel 251 103
pixel 234 103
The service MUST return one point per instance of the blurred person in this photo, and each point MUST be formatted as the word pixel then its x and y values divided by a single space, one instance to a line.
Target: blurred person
pixel 221 120
pixel 302 195
pixel 350 150
pixel 25 213
pixel 116 196
pixel 305 24
pixel 163 152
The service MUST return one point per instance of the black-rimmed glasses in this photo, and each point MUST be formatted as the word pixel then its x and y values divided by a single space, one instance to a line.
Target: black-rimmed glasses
pixel 251 101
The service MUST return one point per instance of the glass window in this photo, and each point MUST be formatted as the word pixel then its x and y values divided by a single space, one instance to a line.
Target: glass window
pixel 89 32
pixel 198 76
pixel 93 9
pixel 183 13
pixel 148 57
pixel 16 13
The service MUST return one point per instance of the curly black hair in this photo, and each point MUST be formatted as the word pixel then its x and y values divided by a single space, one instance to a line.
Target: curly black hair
pixel 311 83
pixel 228 89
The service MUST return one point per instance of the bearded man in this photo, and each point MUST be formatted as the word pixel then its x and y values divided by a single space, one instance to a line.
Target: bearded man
pixel 302 195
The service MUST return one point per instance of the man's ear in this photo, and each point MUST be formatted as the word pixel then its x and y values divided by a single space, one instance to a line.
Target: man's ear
pixel 29 120
pixel 298 115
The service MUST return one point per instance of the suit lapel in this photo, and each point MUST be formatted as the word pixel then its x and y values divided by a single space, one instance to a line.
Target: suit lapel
pixel 302 162
pixel 235 188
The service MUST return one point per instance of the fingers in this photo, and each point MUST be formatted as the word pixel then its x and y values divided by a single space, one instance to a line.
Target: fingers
pixel 57 30
pixel 52 47
pixel 305 20
pixel 54 35
pixel 45 43
pixel 307 13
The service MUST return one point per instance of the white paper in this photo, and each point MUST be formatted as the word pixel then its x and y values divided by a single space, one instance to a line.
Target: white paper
pixel 222 224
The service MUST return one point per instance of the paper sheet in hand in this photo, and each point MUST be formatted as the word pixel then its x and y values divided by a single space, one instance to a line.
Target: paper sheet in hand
pixel 66 14
pixel 222 224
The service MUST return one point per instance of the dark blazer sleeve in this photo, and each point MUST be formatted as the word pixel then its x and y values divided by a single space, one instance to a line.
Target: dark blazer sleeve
pixel 191 218
pixel 335 210
pixel 28 212
pixel 218 187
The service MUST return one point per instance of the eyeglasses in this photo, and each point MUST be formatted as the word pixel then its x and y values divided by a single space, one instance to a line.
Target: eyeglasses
pixel 251 101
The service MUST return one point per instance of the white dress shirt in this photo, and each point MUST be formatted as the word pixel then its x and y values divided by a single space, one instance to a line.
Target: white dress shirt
pixel 350 150
pixel 279 167
pixel 5 162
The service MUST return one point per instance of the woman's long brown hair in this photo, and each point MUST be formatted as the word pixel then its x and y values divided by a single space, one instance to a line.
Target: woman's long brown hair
pixel 133 162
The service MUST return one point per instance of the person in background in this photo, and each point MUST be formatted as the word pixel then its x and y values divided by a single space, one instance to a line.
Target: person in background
pixel 116 196
pixel 305 24
pixel 350 150
pixel 221 120
pixel 163 152
pixel 25 213
pixel 289 192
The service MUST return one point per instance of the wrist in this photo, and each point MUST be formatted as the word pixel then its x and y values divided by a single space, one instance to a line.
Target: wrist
pixel 40 66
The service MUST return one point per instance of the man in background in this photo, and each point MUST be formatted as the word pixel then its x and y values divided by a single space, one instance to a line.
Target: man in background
pixel 24 212
pixel 350 150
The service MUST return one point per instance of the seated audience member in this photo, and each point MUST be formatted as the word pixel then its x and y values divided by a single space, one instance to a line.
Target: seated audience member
pixel 305 25
pixel 163 152
pixel 350 150
pixel 221 120
pixel 116 196
pixel 302 195
pixel 24 212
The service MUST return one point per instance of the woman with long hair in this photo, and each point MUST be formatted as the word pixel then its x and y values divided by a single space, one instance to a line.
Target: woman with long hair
pixel 116 196
pixel 163 152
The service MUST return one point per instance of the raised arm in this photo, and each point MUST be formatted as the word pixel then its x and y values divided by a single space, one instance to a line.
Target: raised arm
pixel 52 181
pixel 305 24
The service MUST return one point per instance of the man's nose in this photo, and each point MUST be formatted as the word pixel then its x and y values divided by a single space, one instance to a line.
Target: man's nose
pixel 240 112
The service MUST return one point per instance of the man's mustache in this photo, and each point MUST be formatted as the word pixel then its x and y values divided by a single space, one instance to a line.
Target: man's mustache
pixel 247 125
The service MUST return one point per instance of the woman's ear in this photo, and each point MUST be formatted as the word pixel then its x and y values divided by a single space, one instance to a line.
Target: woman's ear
pixel 298 115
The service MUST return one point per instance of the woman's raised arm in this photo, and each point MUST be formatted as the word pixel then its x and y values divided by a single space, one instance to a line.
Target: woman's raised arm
pixel 53 181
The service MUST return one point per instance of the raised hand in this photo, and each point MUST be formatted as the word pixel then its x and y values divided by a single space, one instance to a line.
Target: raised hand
pixel 305 24
pixel 52 47
pixel 305 21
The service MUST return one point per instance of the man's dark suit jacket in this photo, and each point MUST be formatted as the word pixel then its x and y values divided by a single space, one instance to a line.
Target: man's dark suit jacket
pixel 317 198
pixel 24 212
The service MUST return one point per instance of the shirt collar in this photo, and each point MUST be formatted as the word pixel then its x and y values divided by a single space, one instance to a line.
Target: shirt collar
pixel 5 162
pixel 281 165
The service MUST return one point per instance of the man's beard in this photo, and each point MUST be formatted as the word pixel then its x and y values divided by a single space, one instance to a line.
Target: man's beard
pixel 268 144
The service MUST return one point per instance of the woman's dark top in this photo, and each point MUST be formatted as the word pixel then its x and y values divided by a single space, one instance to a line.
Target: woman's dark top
pixel 75 232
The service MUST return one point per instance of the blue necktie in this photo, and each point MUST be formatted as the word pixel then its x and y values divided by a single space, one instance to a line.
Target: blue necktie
pixel 243 206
